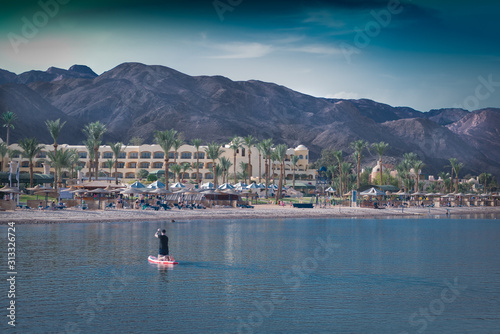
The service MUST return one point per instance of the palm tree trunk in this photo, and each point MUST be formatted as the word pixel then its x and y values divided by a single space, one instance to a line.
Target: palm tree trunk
pixel 249 165
pixel 267 178
pixel 340 180
pixel 234 168
pixel 31 174
pixel 260 168
pixel 55 169
pixel 359 163
pixel 166 170
pixel 293 176
pixel 96 157
pixel 198 169
pixel 381 174
pixel 90 170
pixel 116 171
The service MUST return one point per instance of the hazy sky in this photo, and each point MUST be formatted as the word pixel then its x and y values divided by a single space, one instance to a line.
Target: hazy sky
pixel 421 53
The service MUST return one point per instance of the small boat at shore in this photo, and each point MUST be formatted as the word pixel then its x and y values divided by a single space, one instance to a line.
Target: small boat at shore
pixel 155 260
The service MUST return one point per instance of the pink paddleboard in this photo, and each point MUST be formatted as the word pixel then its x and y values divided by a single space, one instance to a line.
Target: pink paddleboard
pixel 154 259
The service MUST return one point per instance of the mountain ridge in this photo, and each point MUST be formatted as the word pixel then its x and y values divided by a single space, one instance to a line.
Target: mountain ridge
pixel 134 99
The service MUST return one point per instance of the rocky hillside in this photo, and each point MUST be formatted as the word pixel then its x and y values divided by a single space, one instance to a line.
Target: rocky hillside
pixel 135 100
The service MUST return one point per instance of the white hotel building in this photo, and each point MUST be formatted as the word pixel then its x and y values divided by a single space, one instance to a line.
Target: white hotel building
pixel 151 158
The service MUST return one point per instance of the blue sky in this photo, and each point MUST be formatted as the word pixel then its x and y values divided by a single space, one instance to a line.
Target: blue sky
pixel 422 54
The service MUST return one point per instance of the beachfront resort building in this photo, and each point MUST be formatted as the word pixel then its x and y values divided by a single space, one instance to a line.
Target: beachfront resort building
pixel 151 158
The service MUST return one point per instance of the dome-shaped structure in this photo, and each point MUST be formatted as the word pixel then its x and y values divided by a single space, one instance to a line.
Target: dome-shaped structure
pixel 301 147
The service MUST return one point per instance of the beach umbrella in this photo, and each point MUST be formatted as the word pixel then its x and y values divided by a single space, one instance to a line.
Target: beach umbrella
pixel 177 185
pixel 137 184
pixel 207 185
pixel 241 184
pixel 46 192
pixel 99 191
pixel 225 186
pixel 131 191
pixel 79 192
pixel 156 184
pixel 261 186
pixel 372 192
pixel 34 188
pixel 161 191
pixel 330 190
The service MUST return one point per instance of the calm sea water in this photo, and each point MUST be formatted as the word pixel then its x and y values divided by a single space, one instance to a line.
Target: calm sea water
pixel 260 276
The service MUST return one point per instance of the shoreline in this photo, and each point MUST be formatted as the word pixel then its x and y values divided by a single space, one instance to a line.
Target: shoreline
pixel 262 211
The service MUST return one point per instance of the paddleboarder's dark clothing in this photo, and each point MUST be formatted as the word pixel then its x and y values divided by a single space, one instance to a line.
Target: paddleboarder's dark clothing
pixel 163 243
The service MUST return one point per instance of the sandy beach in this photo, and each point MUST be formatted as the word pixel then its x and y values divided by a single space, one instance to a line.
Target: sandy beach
pixel 265 211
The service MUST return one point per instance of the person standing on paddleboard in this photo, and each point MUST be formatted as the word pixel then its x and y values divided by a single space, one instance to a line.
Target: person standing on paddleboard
pixel 163 250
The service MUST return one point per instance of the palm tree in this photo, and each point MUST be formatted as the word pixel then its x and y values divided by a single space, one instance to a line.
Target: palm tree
pixel 295 159
pixel 485 177
pixel 417 167
pixel 214 151
pixel 166 140
pixel 75 159
pixel 280 157
pixel 197 143
pixel 177 144
pixel 225 164
pixel 244 171
pixel 259 148
pixel 453 163
pixel 380 148
pixel 136 141
pixel 458 167
pixel 109 164
pixel 235 146
pixel 338 156
pixel 89 144
pixel 176 169
pixel 266 149
pixel 60 159
pixel 4 150
pixel 359 146
pixel 95 131
pixel 55 128
pixel 249 142
pixel 31 147
pixel 185 167
pixel 8 118
pixel 117 148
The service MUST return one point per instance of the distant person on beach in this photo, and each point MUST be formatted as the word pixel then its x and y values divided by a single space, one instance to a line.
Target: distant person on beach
pixel 163 245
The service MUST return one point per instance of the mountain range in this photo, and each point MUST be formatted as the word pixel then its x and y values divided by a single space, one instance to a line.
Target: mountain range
pixel 134 100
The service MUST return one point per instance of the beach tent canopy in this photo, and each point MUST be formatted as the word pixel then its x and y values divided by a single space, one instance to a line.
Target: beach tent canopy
pixel 330 190
pixel 225 186
pixel 25 178
pixel 177 185
pixel 372 192
pixel 137 184
pixel 207 185
pixel 156 184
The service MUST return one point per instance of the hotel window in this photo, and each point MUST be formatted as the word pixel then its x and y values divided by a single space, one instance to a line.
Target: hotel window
pixel 144 165
pixel 171 155
pixel 82 155
pixel 81 164
pixel 301 156
pixel 199 155
pixel 25 164
pixel 209 176
pixel 133 155
pixel 159 155
pixel 158 165
pixel 120 165
pixel 40 164
pixel 41 155
pixel 242 151
pixel 107 155
pixel 122 155
pixel 145 155
pixel 186 155
pixel 132 165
